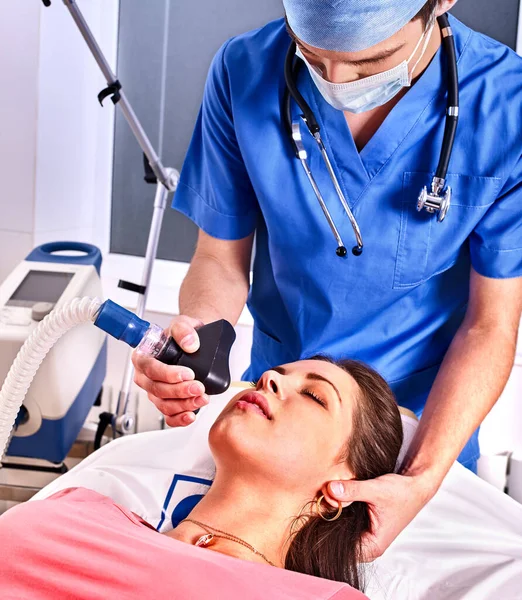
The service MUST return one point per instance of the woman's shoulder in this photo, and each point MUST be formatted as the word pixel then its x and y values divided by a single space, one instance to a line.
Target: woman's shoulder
pixel 92 534
pixel 75 495
pixel 68 506
pixel 79 494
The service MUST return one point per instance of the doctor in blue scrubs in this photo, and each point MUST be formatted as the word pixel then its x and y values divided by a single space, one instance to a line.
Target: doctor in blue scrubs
pixel 433 306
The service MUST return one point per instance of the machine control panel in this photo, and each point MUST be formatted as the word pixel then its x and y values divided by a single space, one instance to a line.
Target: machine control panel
pixel 15 316
pixel 40 310
pixel 34 298
pixel 40 286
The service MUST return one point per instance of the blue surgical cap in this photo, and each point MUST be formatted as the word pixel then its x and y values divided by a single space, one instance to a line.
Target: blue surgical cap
pixel 348 25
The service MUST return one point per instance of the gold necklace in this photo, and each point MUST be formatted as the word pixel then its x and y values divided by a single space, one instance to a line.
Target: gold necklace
pixel 206 540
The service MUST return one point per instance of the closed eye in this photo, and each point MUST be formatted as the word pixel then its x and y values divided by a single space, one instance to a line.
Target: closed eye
pixel 314 397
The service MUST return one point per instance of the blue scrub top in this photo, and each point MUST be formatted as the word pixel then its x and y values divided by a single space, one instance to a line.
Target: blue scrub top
pixel 398 306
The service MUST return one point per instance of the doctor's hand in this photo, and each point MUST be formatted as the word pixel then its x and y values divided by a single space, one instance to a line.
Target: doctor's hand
pixel 171 388
pixel 393 501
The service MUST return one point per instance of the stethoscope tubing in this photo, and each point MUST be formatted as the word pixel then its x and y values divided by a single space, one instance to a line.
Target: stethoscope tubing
pixel 453 102
pixel 292 67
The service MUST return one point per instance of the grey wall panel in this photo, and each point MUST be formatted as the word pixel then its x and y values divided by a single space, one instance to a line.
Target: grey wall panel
pixel 186 74
pixel 497 19
pixel 165 49
pixel 140 71
pixel 195 30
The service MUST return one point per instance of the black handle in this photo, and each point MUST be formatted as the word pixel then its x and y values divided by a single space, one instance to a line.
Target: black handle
pixel 211 362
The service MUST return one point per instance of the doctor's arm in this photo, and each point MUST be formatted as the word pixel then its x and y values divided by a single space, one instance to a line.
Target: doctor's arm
pixel 215 287
pixel 218 280
pixel 215 191
pixel 473 374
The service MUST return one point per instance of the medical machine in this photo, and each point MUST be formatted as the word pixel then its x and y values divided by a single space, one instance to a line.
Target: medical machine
pixel 70 380
pixel 72 357
pixel 435 201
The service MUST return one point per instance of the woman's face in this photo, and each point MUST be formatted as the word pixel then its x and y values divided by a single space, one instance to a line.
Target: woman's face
pixel 291 430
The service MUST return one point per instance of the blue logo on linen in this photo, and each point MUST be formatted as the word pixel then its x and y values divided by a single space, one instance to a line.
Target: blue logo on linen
pixel 184 493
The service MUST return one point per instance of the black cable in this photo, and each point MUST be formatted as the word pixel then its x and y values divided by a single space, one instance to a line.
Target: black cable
pixel 291 72
pixel 103 423
pixel 450 128
pixel 286 107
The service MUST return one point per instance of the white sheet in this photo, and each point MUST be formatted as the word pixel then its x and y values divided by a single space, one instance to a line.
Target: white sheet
pixel 466 543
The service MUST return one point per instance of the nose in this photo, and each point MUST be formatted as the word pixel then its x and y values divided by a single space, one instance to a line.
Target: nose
pixel 271 381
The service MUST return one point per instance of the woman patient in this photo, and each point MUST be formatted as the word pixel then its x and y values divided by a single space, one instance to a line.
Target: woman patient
pixel 276 447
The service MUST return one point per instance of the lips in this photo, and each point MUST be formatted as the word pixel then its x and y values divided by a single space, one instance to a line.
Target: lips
pixel 258 400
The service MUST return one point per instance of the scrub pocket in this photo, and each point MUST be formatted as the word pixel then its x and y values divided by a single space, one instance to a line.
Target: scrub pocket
pixel 427 247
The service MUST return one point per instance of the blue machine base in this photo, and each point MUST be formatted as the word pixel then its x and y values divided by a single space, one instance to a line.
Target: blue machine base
pixel 55 438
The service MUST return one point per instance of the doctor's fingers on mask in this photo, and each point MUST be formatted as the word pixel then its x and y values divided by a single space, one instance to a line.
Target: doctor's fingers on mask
pixel 161 389
pixel 181 419
pixel 178 413
pixel 158 371
pixel 183 330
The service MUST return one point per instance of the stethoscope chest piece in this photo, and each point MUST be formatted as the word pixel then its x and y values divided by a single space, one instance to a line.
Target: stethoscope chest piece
pixel 435 201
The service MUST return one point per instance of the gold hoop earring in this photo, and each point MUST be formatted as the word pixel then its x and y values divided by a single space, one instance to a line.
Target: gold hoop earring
pixel 320 512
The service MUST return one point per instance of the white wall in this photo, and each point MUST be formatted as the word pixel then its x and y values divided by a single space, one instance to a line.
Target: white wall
pixel 75 134
pixel 55 140
pixel 502 429
pixel 19 64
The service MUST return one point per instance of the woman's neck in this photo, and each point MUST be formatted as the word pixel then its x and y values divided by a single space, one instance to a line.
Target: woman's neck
pixel 248 512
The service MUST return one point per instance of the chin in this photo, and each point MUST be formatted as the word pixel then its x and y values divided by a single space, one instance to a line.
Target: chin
pixel 239 448
pixel 236 444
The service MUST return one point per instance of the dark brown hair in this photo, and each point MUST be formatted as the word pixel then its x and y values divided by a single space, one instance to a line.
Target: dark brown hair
pixel 426 11
pixel 332 550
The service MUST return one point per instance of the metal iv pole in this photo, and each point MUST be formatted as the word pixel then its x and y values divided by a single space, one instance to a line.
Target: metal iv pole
pixel 166 179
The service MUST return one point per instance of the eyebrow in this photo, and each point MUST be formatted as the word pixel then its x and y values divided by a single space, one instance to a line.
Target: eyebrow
pixel 312 377
pixel 379 57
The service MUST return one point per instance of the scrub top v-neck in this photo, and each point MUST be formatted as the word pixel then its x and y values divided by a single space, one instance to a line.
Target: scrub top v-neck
pixel 399 305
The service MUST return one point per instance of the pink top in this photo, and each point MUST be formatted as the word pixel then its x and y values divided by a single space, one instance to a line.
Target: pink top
pixel 79 544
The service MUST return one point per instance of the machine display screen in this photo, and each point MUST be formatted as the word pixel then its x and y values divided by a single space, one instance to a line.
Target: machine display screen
pixel 40 286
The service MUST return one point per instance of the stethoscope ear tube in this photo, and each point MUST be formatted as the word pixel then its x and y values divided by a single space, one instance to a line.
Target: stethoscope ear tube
pixel 302 155
pixel 292 68
pixel 286 107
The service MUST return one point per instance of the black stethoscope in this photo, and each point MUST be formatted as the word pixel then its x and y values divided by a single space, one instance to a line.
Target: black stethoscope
pixel 435 201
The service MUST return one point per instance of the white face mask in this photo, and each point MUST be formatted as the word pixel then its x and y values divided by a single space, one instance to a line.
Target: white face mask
pixel 368 93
